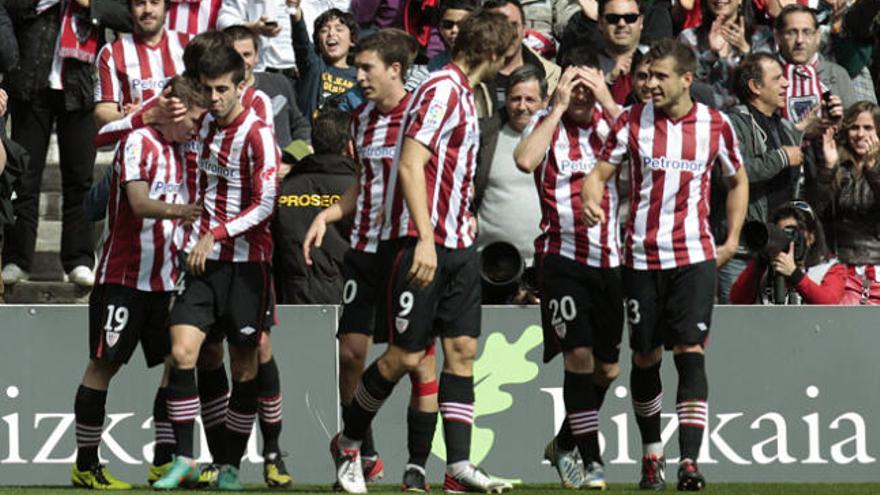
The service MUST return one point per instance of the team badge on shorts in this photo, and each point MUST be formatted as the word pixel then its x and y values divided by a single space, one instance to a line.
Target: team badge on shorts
pixel 401 324
pixel 560 329
pixel 112 337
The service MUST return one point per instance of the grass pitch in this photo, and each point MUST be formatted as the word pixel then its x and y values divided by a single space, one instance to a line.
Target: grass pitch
pixel 614 489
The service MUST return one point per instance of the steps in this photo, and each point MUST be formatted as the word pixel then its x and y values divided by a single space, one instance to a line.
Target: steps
pixel 47 283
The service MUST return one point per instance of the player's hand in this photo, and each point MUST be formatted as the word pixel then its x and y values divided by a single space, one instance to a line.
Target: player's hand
pixel 562 96
pixel 4 102
pixel 724 253
pixel 189 213
pixel 168 109
pixel 594 80
pixel 195 263
pixel 593 213
pixel 131 107
pixel 314 237
pixel 424 264
pixel 783 263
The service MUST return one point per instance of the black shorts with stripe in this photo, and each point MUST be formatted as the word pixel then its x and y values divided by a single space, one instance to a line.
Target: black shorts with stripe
pixel 120 317
pixel 449 306
pixel 360 293
pixel 236 300
pixel 670 307
pixel 581 306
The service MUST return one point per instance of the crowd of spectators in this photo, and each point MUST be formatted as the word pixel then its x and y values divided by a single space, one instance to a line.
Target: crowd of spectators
pixel 797 79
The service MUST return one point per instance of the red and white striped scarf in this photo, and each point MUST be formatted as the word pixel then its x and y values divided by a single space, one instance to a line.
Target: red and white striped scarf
pixel 804 89
pixel 79 39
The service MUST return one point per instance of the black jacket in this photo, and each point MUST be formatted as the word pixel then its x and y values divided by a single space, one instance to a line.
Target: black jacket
pixel 314 184
pixel 851 204
pixel 37 34
pixel 8 43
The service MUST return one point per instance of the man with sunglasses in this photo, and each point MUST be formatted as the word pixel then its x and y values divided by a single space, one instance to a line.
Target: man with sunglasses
pixel 620 22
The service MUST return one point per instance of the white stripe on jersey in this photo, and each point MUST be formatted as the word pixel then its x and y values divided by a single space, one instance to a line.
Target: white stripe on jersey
pixel 192 17
pixel 130 70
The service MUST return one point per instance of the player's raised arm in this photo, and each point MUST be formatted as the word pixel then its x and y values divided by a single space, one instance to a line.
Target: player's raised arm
pixel 532 148
pixel 343 208
pixel 413 158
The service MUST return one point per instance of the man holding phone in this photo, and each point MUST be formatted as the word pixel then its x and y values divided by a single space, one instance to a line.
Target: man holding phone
pixel 270 20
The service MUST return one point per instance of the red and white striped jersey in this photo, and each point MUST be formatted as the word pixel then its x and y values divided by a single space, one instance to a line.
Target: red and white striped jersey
pixel 441 115
pixel 804 91
pixel 559 178
pixel 140 252
pixel 375 137
pixel 237 183
pixel 670 164
pixel 130 70
pixel 112 132
pixel 192 16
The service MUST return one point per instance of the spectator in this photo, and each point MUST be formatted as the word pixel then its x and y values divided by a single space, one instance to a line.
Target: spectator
pixel 324 68
pixel 728 32
pixel 849 185
pixel 315 183
pixel 290 123
pixel 808 74
pixel 53 86
pixel 505 199
pixel 312 9
pixel 269 19
pixel 512 9
pixel 770 147
pixel 756 283
pixel 852 51
pixel 452 12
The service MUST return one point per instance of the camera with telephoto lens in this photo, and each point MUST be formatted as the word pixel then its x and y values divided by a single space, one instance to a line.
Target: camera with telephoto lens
pixel 504 272
pixel 769 240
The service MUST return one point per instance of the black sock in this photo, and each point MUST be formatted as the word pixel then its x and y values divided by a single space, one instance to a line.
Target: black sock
pixel 368 447
pixel 214 398
pixel 601 391
pixel 240 418
pixel 88 408
pixel 183 407
pixel 371 393
pixel 420 428
pixel 583 417
pixel 647 397
pixel 690 402
pixel 457 408
pixel 564 438
pixel 164 446
pixel 270 406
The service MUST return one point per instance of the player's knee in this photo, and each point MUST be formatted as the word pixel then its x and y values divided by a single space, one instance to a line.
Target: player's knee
pixel 648 359
pixel 683 348
pixel 351 356
pixel 243 364
pixel 606 373
pixel 579 360
pixel 265 348
pixel 99 373
pixel 459 351
pixel 210 356
pixel 185 357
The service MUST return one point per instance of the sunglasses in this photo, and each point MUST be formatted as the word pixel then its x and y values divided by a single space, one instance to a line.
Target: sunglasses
pixel 804 207
pixel 615 18
pixel 448 24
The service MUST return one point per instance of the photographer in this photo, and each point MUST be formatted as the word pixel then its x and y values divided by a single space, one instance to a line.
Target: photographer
pixel 758 283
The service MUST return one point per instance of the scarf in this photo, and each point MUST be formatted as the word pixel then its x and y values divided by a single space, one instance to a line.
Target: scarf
pixel 804 89
pixel 79 40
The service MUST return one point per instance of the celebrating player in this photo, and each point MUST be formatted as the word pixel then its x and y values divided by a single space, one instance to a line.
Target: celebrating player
pixel 581 293
pixel 669 253
pixel 431 265
pixel 228 285
pixel 382 60
pixel 137 271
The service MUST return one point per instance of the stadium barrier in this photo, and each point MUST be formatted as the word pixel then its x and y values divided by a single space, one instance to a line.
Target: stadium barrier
pixel 792 397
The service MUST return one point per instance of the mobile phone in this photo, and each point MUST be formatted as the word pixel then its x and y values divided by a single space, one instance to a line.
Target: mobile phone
pixel 272 24
pixel 826 103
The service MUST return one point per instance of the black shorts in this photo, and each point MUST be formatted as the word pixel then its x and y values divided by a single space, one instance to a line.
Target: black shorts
pixel 448 307
pixel 361 274
pixel 581 306
pixel 120 317
pixel 670 307
pixel 236 300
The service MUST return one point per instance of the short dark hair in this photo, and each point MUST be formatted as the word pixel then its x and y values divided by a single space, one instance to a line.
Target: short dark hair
pixel 579 56
pixel 603 3
pixel 468 5
pixel 751 68
pixel 343 17
pixel 685 60
pixel 639 57
pixel 497 4
pixel 391 46
pixel 526 73
pixel 190 92
pixel 201 44
pixel 224 60
pixel 794 8
pixel 482 35
pixel 239 32
pixel 330 131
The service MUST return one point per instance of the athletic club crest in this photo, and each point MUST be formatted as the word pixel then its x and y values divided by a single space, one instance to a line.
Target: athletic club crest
pixel 401 324
pixel 112 337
